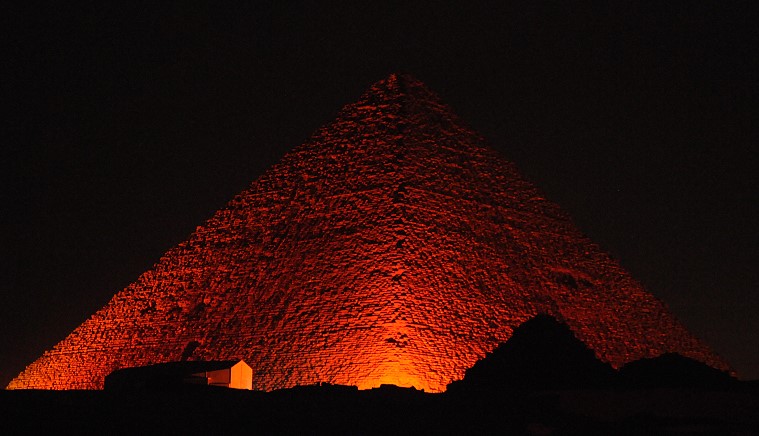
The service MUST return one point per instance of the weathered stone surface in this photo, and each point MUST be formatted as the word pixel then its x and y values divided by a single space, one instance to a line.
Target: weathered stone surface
pixel 392 247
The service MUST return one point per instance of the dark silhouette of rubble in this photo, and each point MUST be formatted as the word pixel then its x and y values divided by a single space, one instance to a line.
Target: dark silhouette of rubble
pixel 543 380
pixel 672 370
pixel 334 410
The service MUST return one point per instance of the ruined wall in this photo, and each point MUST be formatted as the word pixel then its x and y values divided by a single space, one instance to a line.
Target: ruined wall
pixel 392 247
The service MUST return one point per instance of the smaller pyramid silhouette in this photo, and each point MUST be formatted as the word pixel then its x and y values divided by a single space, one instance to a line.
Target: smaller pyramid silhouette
pixel 542 353
pixel 673 370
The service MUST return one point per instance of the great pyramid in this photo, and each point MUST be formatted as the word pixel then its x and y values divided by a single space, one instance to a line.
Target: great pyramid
pixel 391 247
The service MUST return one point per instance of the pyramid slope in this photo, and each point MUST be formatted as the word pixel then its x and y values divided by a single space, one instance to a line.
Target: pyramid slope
pixel 391 247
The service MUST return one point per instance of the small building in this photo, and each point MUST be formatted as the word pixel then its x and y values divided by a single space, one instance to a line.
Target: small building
pixel 235 374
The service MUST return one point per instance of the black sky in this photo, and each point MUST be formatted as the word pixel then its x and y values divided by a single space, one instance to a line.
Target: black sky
pixel 126 127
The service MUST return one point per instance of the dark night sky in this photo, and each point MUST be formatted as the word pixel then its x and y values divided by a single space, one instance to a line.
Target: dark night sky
pixel 127 127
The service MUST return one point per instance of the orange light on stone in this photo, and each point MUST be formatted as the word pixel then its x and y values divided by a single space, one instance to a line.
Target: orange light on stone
pixel 396 373
pixel 393 247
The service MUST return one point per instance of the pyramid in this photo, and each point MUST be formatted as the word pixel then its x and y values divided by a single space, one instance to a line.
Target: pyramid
pixel 392 247
pixel 541 354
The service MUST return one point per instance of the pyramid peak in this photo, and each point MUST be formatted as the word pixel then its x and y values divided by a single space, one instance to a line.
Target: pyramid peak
pixel 402 85
pixel 404 79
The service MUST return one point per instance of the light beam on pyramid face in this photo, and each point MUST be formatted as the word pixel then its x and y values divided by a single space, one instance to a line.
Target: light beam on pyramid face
pixel 393 247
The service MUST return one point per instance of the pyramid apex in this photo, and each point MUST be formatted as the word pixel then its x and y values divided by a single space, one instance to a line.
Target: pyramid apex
pixel 403 78
pixel 401 83
pixel 402 93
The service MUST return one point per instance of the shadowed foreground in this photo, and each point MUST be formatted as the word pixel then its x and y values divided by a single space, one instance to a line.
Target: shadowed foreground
pixel 543 380
pixel 388 410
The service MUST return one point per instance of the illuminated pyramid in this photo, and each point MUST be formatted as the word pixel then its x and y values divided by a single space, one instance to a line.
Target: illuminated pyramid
pixel 392 247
